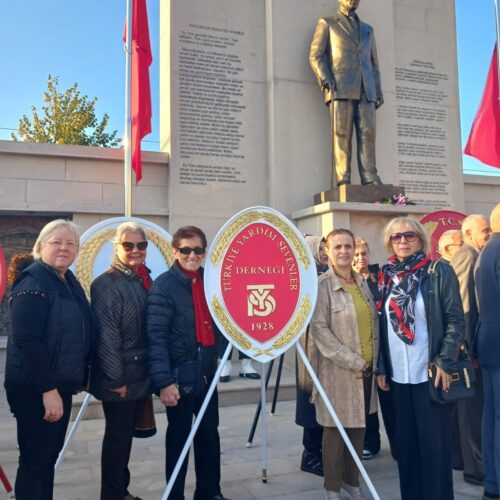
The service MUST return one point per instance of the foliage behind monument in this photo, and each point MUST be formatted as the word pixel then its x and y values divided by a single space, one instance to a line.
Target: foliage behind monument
pixel 67 118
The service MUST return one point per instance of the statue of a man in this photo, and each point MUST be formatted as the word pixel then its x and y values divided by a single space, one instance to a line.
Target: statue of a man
pixel 344 60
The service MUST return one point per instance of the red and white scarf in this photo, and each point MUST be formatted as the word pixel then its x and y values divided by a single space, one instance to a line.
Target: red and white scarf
pixel 402 294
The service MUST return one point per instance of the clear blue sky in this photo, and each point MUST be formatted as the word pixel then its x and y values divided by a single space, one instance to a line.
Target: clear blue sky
pixel 80 41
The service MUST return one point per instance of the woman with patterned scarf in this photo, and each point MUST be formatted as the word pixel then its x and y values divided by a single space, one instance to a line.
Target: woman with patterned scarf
pixel 120 375
pixel 422 324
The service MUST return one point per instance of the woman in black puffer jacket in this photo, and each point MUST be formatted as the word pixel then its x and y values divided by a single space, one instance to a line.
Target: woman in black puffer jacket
pixel 119 374
pixel 47 355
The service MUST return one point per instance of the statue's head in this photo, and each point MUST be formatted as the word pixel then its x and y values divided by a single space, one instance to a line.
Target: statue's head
pixel 348 6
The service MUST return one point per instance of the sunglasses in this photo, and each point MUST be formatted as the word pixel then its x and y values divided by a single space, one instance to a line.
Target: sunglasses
pixel 128 246
pixel 407 235
pixel 188 250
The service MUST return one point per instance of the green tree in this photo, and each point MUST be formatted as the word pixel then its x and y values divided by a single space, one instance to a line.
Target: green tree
pixel 67 118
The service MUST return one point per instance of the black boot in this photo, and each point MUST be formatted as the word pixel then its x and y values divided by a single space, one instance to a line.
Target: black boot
pixel 312 463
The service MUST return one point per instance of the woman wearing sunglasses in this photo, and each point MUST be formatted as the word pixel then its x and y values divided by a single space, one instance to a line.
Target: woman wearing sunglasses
pixel 120 377
pixel 422 325
pixel 183 360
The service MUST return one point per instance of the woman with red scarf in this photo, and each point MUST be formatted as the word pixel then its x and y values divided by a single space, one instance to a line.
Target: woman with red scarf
pixel 422 326
pixel 183 362
pixel 120 375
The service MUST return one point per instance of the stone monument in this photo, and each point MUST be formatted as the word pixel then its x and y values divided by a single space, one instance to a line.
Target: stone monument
pixel 243 123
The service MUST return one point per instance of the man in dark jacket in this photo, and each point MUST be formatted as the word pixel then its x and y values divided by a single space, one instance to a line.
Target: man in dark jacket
pixel 475 232
pixel 487 350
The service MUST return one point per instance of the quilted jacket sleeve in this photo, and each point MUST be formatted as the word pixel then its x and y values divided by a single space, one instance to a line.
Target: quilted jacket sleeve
pixel 107 305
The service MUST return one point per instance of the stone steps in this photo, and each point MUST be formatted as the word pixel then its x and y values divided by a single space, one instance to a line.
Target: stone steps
pixel 238 391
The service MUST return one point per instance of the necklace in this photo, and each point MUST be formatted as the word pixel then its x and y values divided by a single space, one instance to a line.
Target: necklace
pixel 350 279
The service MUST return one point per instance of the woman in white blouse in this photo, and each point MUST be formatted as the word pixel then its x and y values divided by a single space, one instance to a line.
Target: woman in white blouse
pixel 422 324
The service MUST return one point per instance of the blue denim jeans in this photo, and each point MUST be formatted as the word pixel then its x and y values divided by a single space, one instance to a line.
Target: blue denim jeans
pixel 491 428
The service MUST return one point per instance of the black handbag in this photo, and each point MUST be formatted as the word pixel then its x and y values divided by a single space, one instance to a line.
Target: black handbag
pixel 462 383
pixel 190 379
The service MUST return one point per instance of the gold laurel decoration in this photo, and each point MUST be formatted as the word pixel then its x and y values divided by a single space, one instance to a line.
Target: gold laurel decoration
pixel 86 258
pixel 250 217
pixel 91 248
pixel 163 245
pixel 430 227
pixel 283 339
pixel 291 235
pixel 229 233
pixel 229 327
pixel 296 326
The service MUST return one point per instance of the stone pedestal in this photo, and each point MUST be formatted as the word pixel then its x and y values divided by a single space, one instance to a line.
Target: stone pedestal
pixel 363 219
pixel 363 194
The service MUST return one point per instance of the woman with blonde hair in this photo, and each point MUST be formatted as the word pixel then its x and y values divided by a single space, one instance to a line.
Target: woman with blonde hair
pixel 47 355
pixel 422 327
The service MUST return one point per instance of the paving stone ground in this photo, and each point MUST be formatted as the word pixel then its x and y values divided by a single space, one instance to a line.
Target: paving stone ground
pixel 79 475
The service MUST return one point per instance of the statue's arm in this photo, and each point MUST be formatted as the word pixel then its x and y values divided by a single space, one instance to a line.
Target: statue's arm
pixel 318 57
pixel 376 74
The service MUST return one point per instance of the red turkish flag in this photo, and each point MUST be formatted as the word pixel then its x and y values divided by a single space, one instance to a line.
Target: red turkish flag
pixel 140 88
pixel 484 137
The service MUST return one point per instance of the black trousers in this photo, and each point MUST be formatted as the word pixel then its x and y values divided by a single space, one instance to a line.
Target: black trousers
pixel 470 418
pixel 456 447
pixel 372 436
pixel 206 445
pixel 39 444
pixel 423 444
pixel 312 439
pixel 116 446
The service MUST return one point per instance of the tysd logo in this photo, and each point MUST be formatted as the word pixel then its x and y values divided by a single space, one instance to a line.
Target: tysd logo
pixel 260 282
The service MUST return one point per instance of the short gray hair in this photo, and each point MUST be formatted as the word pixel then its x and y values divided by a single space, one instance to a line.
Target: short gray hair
pixel 447 237
pixel 129 227
pixel 415 225
pixel 50 228
pixel 470 220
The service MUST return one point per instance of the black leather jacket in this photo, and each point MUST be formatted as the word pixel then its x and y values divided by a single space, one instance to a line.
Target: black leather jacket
pixel 445 319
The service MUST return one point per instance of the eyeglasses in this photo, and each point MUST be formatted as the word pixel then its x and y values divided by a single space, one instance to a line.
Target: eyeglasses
pixel 129 246
pixel 60 244
pixel 188 250
pixel 407 235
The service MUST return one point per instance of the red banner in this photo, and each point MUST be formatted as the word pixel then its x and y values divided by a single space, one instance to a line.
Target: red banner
pixel 140 88
pixel 484 138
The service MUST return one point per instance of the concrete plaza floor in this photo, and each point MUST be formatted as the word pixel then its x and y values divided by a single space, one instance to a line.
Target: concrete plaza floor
pixel 79 475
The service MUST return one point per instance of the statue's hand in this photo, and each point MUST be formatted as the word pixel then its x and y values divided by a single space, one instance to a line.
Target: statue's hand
pixel 379 102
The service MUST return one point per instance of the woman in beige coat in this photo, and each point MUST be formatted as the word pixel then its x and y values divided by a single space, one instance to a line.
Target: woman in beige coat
pixel 344 328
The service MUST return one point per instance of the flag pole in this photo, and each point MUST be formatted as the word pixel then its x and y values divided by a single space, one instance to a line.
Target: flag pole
pixel 497 17
pixel 127 139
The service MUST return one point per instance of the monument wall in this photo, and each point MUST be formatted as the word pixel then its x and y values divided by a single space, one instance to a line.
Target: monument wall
pixel 244 121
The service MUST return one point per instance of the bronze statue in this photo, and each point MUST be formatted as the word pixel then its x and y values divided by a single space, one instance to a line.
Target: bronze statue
pixel 344 60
